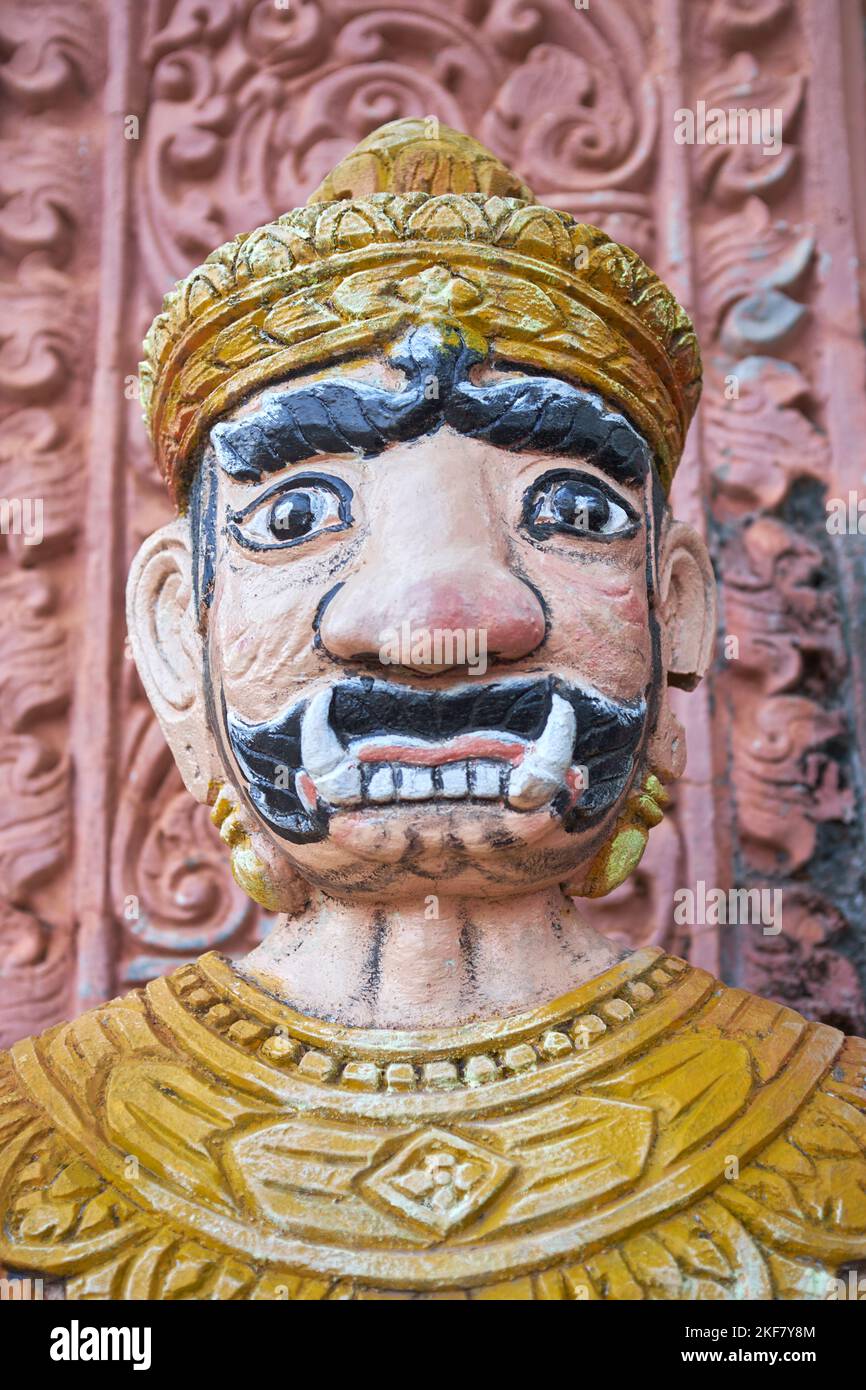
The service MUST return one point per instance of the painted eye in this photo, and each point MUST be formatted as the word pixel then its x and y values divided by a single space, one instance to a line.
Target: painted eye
pixel 291 514
pixel 579 506
pixel 300 512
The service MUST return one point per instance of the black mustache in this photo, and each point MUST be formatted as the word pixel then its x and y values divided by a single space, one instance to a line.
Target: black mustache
pixel 367 708
pixel 269 753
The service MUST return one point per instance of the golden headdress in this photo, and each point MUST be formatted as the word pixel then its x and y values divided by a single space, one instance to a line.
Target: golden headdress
pixel 418 224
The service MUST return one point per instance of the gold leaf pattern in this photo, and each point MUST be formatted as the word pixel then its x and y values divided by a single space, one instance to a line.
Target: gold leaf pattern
pixel 160 1147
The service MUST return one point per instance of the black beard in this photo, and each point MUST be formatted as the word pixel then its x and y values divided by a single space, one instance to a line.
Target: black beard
pixel 608 735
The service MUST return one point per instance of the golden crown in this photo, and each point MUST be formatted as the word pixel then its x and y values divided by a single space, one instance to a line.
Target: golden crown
pixel 418 224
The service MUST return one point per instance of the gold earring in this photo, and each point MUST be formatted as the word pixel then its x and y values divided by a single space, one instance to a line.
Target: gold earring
pixel 622 853
pixel 249 870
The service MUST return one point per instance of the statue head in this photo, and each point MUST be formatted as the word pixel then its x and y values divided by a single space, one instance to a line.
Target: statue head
pixel 415 625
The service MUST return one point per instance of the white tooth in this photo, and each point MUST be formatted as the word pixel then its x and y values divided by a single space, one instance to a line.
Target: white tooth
pixel 381 787
pixel 416 784
pixel 342 784
pixel 557 739
pixel 485 779
pixel 542 771
pixel 321 750
pixel 528 789
pixel 455 782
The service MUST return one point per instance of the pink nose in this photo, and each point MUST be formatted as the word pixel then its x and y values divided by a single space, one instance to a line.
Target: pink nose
pixel 435 623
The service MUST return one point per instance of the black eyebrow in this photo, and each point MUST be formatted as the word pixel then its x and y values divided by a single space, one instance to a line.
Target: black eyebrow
pixel 334 416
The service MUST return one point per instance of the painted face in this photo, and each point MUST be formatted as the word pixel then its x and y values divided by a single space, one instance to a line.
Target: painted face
pixel 431 655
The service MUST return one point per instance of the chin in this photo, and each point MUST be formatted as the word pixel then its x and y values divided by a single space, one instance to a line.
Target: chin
pixel 396 851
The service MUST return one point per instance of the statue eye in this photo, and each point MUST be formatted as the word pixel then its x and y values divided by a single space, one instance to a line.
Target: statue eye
pixel 575 504
pixel 292 513
pixel 298 513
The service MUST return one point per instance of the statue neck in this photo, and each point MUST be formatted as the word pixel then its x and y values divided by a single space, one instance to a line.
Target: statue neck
pixel 388 966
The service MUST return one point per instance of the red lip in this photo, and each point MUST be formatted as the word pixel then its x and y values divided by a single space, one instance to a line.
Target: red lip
pixel 454 751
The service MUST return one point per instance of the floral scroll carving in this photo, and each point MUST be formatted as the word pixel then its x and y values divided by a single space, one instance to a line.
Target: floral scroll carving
pixel 172 892
pixel 50 73
pixel 785 669
pixel 250 105
pixel 731 172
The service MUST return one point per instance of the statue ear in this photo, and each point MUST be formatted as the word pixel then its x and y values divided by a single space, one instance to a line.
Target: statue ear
pixel 687 593
pixel 167 646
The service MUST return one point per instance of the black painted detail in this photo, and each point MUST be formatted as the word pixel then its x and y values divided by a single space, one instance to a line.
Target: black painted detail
pixel 293 511
pixel 565 501
pixel 608 736
pixel 202 517
pixel 341 415
pixel 367 708
pixel 269 755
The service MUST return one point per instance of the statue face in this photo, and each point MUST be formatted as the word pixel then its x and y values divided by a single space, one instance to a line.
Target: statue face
pixel 439 606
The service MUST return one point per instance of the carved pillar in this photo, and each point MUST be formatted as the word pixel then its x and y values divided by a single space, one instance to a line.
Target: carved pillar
pixel 782 411
pixel 51 78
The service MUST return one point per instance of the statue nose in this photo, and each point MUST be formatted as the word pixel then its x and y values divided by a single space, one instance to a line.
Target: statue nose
pixel 434 622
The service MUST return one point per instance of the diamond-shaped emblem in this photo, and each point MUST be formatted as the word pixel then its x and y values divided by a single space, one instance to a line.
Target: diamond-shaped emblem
pixel 438 1180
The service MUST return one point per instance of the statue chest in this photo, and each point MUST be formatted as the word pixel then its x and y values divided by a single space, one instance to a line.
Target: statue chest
pixel 201 1141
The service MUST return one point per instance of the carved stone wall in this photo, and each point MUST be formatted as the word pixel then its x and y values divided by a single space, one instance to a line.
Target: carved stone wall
pixel 138 134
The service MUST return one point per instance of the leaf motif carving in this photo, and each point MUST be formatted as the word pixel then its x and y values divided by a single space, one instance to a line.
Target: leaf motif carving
pixel 168 1118
pixel 699 1084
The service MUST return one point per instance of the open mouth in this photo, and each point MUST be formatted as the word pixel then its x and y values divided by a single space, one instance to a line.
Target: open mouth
pixel 500 742
pixel 365 743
